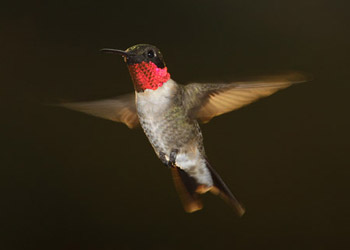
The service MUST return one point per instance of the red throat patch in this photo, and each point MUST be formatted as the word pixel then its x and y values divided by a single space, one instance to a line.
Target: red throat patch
pixel 146 75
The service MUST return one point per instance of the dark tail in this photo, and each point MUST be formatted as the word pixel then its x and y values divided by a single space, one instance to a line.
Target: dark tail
pixel 224 192
pixel 189 190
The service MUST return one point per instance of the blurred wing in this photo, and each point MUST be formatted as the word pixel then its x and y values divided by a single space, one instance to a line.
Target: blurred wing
pixel 206 101
pixel 186 187
pixel 120 109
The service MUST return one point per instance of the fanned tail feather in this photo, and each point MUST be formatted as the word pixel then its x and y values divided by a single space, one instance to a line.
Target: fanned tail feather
pixel 224 192
pixel 189 190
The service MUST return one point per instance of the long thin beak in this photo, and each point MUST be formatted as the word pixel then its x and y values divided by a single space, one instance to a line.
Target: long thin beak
pixel 116 51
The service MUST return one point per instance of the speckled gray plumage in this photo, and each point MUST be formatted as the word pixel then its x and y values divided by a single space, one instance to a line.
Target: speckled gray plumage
pixel 171 127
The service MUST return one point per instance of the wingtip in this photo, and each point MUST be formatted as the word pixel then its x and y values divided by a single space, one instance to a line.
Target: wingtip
pixel 190 200
pixel 299 77
pixel 193 207
pixel 283 77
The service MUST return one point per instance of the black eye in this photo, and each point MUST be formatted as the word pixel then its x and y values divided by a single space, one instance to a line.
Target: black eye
pixel 150 54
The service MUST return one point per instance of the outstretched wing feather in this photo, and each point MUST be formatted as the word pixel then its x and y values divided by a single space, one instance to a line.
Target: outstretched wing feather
pixel 205 101
pixel 120 109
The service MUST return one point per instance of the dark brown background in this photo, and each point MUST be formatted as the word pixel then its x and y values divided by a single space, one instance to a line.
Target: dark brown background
pixel 71 181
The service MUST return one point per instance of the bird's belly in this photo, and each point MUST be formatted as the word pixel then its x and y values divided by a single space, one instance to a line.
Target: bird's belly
pixel 167 134
pixel 186 139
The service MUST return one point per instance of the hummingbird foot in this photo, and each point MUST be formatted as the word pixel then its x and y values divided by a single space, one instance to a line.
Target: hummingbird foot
pixel 172 158
pixel 163 159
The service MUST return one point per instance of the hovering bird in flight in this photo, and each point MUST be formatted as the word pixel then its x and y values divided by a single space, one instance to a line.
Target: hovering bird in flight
pixel 169 113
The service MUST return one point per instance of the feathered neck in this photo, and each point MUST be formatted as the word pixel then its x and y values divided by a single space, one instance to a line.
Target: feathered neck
pixel 146 75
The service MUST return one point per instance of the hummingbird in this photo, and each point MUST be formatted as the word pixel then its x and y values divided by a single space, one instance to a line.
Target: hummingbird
pixel 169 114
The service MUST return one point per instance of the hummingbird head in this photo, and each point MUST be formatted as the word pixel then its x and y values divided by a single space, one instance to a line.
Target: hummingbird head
pixel 146 66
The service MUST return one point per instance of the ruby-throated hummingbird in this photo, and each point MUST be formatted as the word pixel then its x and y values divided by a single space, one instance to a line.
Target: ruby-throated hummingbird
pixel 169 113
